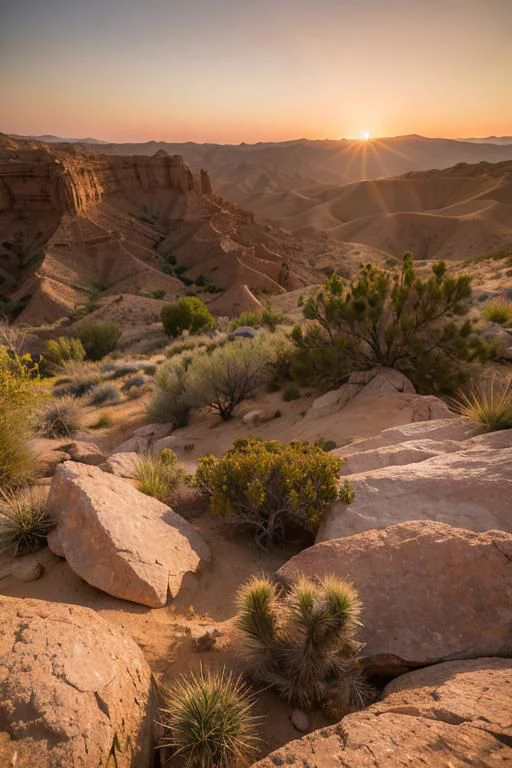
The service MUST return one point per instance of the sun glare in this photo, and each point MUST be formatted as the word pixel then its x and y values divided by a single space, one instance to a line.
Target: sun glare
pixel 365 135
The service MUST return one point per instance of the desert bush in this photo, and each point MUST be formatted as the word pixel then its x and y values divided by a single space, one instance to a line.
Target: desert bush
pixel 252 319
pixel 488 403
pixel 394 319
pixel 270 485
pixel 291 392
pixel 18 375
pixel 325 444
pixel 208 720
pixel 98 339
pixel 158 294
pixel 228 375
pixel 12 338
pixel 77 380
pixel 158 475
pixel 188 314
pixel 498 311
pixel 271 318
pixel 302 643
pixel 60 418
pixel 24 520
pixel 63 350
pixel 138 381
pixel 177 347
pixel 102 422
pixel 169 403
pixel 104 393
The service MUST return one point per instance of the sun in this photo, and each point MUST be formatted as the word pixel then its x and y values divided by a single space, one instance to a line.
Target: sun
pixel 365 135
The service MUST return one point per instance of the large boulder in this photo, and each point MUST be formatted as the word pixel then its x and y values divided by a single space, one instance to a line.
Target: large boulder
pixel 455 715
pixel 429 592
pixel 74 691
pixel 469 488
pixel 119 540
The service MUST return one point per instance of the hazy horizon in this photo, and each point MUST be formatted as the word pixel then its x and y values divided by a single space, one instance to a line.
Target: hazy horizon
pixel 229 72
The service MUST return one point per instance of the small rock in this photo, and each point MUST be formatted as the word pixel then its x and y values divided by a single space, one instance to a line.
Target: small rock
pixel 85 453
pixel 300 720
pixel 121 464
pixel 27 569
pixel 205 638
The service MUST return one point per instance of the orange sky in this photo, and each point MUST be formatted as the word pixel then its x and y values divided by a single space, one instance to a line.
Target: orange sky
pixel 239 70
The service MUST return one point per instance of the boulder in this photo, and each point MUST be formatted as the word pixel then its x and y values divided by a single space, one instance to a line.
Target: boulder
pixel 453 715
pixel 377 381
pixel 469 488
pixel 153 431
pixel 121 464
pixel 255 417
pixel 27 569
pixel 447 430
pixel 428 591
pixel 409 452
pixel 119 540
pixel 86 453
pixel 54 545
pixel 134 445
pixel 74 690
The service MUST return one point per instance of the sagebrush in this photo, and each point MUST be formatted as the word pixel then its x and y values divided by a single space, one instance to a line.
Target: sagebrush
pixel 24 520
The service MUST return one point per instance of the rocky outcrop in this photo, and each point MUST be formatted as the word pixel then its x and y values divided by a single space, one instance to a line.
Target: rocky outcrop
pixel 74 691
pixel 429 592
pixel 457 714
pixel 470 487
pixel 119 540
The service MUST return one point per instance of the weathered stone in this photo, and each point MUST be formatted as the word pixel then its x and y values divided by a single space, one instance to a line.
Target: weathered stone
pixel 54 543
pixel 409 452
pixel 74 691
pixel 153 431
pixel 453 715
pixel 121 464
pixel 86 453
pixel 119 540
pixel 469 488
pixel 300 720
pixel 428 591
pixel 27 569
pixel 134 445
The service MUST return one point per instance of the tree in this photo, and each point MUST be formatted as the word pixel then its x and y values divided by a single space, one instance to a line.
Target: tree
pixel 188 314
pixel 394 319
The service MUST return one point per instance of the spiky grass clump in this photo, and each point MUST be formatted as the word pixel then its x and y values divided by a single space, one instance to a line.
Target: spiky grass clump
pixel 105 393
pixel 24 520
pixel 60 418
pixel 303 643
pixel 498 311
pixel 489 403
pixel 158 475
pixel 209 722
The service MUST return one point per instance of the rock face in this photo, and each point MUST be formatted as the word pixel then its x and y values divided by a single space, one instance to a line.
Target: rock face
pixel 85 453
pixel 119 540
pixel 453 715
pixel 74 691
pixel 429 592
pixel 469 488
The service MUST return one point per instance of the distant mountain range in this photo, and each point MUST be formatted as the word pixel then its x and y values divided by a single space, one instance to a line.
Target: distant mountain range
pixel 50 139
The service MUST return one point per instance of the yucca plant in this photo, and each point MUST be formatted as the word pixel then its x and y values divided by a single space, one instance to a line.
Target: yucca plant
pixel 208 720
pixel 60 418
pixel 158 475
pixel 302 643
pixel 488 403
pixel 24 520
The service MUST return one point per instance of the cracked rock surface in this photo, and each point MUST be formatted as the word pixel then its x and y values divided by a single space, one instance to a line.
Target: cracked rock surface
pixel 75 692
pixel 452 715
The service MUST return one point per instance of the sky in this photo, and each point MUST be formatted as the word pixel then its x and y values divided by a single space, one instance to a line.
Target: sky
pixel 229 71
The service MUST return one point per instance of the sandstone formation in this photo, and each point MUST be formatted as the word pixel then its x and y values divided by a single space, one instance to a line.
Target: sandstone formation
pixel 429 592
pixel 455 715
pixel 74 691
pixel 119 540
pixel 470 487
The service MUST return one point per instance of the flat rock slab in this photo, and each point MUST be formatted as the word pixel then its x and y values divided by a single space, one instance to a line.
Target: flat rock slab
pixel 429 592
pixel 119 540
pixel 121 464
pixel 441 717
pixel 469 488
pixel 85 453
pixel 74 690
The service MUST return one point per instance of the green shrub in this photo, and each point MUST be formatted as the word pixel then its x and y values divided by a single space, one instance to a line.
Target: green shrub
pixel 188 314
pixel 79 379
pixel 489 404
pixel 158 476
pixel 18 375
pixel 291 392
pixel 158 294
pixel 498 311
pixel 105 393
pixel 269 485
pixel 252 319
pixel 230 374
pixel 63 350
pixel 60 418
pixel 98 339
pixel 325 444
pixel 271 318
pixel 169 404
pixel 208 720
pixel 24 520
pixel 391 319
pixel 102 422
pixel 303 643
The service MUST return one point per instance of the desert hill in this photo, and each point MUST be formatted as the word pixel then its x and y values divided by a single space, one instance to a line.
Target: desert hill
pixel 75 225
